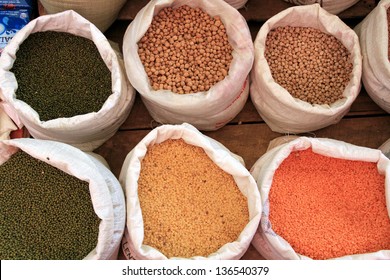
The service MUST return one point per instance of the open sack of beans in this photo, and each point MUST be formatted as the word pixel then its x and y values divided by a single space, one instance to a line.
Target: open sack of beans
pixel 373 34
pixel 57 202
pixel 190 61
pixel 323 199
pixel 187 197
pixel 307 70
pixel 332 6
pixel 60 78
pixel 102 13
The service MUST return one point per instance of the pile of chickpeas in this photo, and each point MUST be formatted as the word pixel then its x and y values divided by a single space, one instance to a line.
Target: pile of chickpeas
pixel 311 65
pixel 185 50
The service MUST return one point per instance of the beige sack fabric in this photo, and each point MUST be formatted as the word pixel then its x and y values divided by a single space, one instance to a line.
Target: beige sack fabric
pixel 102 13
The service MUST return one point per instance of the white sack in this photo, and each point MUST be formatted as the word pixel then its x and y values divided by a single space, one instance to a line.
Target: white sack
pixel 102 13
pixel 6 125
pixel 373 36
pixel 236 3
pixel 332 6
pixel 208 110
pixel 87 131
pixel 266 241
pixel 385 148
pixel 230 163
pixel 106 193
pixel 282 112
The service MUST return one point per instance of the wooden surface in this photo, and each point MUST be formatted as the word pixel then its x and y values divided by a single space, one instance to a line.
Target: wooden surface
pixel 257 10
pixel 247 135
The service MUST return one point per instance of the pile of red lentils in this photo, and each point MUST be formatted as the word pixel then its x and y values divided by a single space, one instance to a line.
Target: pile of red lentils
pixel 190 206
pixel 329 207
pixel 185 50
pixel 311 65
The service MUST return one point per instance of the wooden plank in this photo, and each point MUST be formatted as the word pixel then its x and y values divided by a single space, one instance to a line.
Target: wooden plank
pixel 250 141
pixel 140 118
pixel 257 10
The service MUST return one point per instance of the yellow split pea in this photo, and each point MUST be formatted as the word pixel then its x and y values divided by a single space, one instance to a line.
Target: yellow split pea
pixel 190 206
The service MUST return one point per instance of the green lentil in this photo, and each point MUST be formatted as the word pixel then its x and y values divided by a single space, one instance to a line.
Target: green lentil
pixel 45 213
pixel 61 75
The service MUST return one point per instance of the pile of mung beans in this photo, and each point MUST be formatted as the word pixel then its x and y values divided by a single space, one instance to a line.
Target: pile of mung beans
pixel 185 50
pixel 190 206
pixel 311 65
pixel 61 75
pixel 46 214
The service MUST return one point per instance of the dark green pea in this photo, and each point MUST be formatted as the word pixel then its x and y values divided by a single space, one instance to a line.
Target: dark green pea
pixel 45 213
pixel 61 75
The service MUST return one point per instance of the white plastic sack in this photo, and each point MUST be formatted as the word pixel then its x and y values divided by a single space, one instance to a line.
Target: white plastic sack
pixel 332 6
pixel 106 192
pixel 208 110
pixel 102 13
pixel 6 125
pixel 236 3
pixel 87 131
pixel 230 163
pixel 373 36
pixel 282 112
pixel 266 241
pixel 385 148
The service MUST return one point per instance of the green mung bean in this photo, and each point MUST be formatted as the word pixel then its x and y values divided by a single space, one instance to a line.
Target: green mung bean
pixel 45 213
pixel 61 75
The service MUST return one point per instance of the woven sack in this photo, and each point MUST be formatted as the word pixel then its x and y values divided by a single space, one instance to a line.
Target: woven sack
pixel 102 13
pixel 106 193
pixel 269 244
pixel 373 36
pixel 332 6
pixel 236 3
pixel 280 110
pixel 87 131
pixel 208 110
pixel 133 246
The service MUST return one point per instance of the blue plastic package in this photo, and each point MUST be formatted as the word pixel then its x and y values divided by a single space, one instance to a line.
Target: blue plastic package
pixel 14 15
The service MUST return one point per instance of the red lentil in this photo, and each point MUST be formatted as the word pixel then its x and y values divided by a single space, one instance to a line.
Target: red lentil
pixel 190 206
pixel 327 207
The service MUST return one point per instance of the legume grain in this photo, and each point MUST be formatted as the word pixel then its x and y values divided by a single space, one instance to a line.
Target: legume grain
pixel 311 65
pixel 328 207
pixel 190 206
pixel 61 75
pixel 45 213
pixel 185 50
